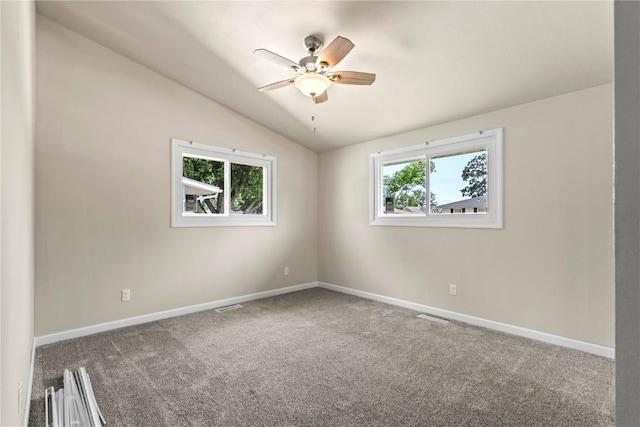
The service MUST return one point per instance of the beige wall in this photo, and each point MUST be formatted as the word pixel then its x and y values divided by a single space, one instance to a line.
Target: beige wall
pixel 16 197
pixel 103 187
pixel 551 270
pixel 102 208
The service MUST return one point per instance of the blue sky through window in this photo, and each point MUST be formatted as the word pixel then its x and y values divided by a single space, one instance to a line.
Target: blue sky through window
pixel 446 181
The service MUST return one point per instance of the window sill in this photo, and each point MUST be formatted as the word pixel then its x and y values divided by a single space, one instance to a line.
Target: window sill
pixel 442 223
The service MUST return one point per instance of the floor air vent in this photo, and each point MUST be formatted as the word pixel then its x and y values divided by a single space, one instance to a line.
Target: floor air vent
pixel 228 308
pixel 433 319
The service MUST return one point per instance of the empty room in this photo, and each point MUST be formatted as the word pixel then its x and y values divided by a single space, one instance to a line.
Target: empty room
pixel 319 213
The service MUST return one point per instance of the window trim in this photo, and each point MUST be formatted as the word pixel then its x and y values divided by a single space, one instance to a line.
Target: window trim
pixel 180 147
pixel 491 139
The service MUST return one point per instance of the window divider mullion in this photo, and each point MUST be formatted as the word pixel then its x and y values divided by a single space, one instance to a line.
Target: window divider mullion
pixel 427 184
pixel 227 187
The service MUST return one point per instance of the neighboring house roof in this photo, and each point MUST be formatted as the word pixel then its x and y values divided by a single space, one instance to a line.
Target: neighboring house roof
pixel 409 210
pixel 474 202
pixel 199 188
pixel 414 209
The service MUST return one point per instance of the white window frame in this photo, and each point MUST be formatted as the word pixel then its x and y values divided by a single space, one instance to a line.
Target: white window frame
pixel 180 148
pixel 489 139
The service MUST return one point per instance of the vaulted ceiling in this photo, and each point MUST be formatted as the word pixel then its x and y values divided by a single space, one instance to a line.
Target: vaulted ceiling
pixel 436 61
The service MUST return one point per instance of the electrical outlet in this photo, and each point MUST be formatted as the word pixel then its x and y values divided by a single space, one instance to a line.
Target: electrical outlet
pixel 126 294
pixel 20 397
pixel 453 290
pixel 286 271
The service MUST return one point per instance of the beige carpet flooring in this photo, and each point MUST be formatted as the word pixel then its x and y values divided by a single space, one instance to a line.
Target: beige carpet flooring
pixel 321 358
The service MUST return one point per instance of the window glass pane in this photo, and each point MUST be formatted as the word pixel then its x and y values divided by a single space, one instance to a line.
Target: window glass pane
pixel 458 183
pixel 202 186
pixel 247 189
pixel 404 188
pixel 220 187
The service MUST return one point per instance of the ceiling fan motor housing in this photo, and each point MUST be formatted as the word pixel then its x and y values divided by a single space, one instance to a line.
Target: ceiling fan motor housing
pixel 313 45
pixel 308 63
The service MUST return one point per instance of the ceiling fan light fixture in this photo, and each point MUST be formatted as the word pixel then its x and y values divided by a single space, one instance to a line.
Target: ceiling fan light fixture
pixel 312 84
pixel 316 68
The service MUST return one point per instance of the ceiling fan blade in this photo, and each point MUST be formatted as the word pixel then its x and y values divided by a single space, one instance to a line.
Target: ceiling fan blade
pixel 320 98
pixel 352 77
pixel 278 85
pixel 335 51
pixel 274 57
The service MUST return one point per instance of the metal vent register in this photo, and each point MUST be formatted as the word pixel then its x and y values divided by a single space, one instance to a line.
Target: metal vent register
pixel 433 319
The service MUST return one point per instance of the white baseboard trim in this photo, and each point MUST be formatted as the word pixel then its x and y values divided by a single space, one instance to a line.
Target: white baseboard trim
pixel 490 324
pixel 116 324
pixel 27 404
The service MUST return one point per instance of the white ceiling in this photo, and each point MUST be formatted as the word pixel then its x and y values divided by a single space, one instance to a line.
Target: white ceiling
pixel 435 61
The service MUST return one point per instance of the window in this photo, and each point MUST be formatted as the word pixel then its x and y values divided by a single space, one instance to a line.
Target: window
pixel 214 186
pixel 455 182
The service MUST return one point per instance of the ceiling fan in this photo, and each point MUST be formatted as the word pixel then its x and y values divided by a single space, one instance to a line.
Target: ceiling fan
pixel 315 76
